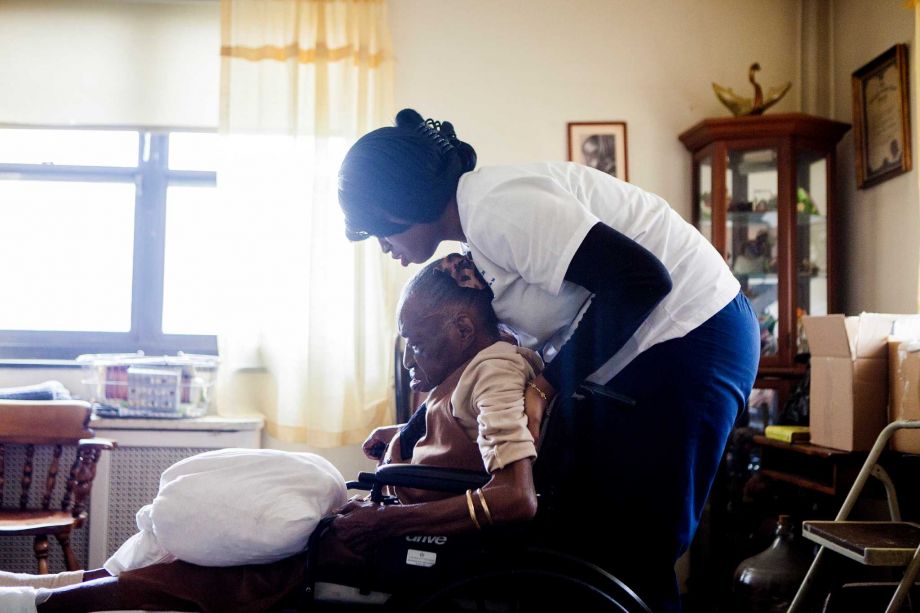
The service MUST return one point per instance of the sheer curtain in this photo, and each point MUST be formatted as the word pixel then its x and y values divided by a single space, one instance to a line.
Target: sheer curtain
pixel 306 322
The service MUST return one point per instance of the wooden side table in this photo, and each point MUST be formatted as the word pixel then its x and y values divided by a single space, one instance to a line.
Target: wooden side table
pixel 820 469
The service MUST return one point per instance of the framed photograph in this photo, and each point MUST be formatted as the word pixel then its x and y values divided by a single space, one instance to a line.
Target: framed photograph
pixel 601 145
pixel 881 118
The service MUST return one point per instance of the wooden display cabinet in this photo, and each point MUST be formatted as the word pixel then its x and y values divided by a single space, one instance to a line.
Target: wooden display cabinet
pixel 763 193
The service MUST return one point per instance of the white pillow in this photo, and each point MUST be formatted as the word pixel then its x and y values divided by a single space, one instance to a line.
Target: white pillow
pixel 230 507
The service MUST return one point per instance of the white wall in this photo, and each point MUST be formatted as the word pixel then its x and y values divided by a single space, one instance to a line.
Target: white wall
pixel 881 242
pixel 511 74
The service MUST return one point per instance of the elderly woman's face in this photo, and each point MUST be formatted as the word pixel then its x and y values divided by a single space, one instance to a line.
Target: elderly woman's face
pixel 433 346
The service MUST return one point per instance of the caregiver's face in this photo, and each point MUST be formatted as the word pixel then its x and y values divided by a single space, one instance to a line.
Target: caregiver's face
pixel 433 346
pixel 414 245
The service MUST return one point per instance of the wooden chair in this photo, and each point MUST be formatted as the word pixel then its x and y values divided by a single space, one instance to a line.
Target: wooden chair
pixel 25 425
pixel 893 543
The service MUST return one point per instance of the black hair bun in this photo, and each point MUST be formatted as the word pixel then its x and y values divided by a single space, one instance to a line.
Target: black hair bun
pixel 466 152
pixel 411 119
pixel 467 156
pixel 447 131
pixel 408 118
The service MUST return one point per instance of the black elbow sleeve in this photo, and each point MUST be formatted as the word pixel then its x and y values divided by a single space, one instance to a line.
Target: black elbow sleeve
pixel 628 282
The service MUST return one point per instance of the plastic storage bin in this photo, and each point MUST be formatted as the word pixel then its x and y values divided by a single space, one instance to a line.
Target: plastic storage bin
pixel 135 385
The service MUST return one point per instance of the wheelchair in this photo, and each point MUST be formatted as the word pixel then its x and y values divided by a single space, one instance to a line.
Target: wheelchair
pixel 528 567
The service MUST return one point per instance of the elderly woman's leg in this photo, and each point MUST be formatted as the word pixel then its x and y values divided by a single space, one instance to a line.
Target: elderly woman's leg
pixel 182 586
pixel 52 580
pixel 94 595
pixel 255 587
pixel 23 591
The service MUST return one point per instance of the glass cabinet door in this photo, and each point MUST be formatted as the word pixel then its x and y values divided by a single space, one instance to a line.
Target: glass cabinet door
pixel 752 224
pixel 811 296
pixel 763 194
pixel 704 197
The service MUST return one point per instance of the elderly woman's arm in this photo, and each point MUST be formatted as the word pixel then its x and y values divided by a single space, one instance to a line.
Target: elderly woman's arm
pixel 510 496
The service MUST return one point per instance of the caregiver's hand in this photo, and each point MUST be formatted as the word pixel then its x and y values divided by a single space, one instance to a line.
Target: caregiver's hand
pixel 535 404
pixel 376 443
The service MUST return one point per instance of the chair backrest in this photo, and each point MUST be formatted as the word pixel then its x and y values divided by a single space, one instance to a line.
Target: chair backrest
pixel 56 424
pixel 574 450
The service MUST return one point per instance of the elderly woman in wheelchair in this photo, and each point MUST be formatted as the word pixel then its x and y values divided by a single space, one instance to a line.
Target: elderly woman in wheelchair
pixel 450 519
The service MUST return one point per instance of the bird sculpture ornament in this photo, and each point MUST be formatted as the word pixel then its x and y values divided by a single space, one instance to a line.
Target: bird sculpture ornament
pixel 740 105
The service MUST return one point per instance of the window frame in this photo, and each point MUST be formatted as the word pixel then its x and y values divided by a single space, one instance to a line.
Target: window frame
pixel 151 177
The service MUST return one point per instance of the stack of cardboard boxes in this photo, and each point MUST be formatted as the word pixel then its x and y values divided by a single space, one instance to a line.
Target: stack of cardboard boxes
pixel 904 402
pixel 865 372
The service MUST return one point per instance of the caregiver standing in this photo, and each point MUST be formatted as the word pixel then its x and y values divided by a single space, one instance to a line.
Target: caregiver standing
pixel 631 307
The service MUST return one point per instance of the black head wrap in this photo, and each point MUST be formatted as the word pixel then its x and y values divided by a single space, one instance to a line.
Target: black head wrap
pixel 452 282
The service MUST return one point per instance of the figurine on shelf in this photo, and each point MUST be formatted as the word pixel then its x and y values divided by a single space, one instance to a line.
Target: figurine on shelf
pixel 807 267
pixel 741 207
pixel 754 255
pixel 761 410
pixel 764 200
pixel 768 341
pixel 706 205
pixel 740 105
pixel 801 341
pixel 804 203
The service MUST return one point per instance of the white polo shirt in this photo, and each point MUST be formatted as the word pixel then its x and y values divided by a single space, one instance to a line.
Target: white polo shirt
pixel 523 225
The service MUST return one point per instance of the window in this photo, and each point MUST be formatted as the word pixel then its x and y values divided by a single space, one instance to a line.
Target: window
pixel 103 241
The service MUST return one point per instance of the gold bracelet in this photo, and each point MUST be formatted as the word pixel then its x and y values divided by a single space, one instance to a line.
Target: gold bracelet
pixel 485 507
pixel 539 391
pixel 469 504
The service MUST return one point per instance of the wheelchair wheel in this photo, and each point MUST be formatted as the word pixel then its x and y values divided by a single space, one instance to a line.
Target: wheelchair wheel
pixel 537 581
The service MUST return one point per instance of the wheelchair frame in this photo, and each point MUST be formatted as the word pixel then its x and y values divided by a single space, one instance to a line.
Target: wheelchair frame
pixel 501 571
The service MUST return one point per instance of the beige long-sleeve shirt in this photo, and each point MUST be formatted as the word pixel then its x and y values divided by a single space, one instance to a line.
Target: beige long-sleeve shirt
pixel 475 417
pixel 488 403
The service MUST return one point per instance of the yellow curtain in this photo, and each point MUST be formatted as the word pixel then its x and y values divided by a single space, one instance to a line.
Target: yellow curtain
pixel 307 326
pixel 311 67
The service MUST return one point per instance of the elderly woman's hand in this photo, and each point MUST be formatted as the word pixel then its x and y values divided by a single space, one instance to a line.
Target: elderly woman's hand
pixel 376 443
pixel 359 524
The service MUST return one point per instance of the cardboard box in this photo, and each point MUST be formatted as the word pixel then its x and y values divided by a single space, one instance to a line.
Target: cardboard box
pixel 848 397
pixel 904 371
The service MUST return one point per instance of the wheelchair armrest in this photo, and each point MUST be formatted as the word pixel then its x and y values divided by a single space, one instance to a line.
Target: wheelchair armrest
pixel 416 476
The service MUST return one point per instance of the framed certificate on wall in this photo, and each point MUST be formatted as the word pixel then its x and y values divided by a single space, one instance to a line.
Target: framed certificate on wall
pixel 881 118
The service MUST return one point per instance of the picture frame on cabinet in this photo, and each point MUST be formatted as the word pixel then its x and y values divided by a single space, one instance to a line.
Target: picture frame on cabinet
pixel 601 145
pixel 881 118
